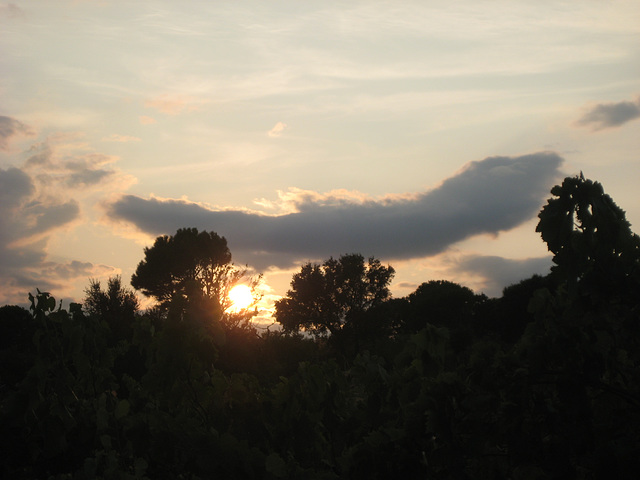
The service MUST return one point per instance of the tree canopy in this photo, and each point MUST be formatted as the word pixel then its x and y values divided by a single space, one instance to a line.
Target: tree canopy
pixel 175 263
pixel 325 297
pixel 589 235
pixel 117 305
pixel 440 303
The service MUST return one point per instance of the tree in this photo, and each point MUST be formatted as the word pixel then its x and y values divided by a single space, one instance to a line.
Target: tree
pixel 173 262
pixel 191 273
pixel 117 305
pixel 590 237
pixel 323 298
pixel 583 345
pixel 441 303
pixel 508 316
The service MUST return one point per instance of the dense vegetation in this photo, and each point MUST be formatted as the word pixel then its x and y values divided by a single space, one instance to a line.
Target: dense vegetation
pixel 542 382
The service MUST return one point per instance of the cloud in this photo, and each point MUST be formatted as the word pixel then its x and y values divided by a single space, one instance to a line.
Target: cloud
pixel 488 196
pixel 277 129
pixel 120 138
pixel 58 163
pixel 42 198
pixel 609 115
pixel 496 273
pixel 172 104
pixel 144 120
pixel 10 128
pixel 407 285
pixel 25 224
pixel 11 10
pixel 24 217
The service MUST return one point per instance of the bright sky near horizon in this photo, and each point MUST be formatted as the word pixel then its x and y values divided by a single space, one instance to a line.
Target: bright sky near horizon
pixel 426 134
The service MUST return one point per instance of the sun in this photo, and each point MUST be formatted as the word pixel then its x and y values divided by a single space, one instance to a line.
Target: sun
pixel 241 297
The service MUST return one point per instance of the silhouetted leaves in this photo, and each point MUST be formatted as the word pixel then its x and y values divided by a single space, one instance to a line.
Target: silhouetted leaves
pixel 175 262
pixel 542 382
pixel 324 298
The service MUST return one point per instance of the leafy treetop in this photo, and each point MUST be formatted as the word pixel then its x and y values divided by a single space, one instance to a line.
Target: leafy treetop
pixel 589 235
pixel 175 263
pixel 326 297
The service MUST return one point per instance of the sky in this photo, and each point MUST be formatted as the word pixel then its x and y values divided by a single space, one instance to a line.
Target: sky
pixel 425 134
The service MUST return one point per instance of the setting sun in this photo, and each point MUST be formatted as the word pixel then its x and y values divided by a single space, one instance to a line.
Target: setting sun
pixel 241 297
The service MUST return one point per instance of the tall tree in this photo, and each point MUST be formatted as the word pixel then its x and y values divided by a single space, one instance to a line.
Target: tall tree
pixel 175 263
pixel 325 297
pixel 191 272
pixel 584 343
pixel 590 237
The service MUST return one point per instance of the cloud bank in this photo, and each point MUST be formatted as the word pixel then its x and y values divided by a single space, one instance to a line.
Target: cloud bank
pixel 26 222
pixel 610 115
pixel 10 128
pixel 40 198
pixel 486 197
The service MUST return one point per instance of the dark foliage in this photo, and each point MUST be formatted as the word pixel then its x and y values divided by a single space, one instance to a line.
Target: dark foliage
pixel 174 263
pixel 542 382
pixel 324 298
pixel 117 305
pixel 16 348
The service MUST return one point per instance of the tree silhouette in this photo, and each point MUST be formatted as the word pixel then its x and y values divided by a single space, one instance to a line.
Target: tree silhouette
pixel 584 342
pixel 441 303
pixel 325 297
pixel 117 305
pixel 589 236
pixel 188 260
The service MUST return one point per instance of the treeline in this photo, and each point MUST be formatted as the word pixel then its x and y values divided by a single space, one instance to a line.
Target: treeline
pixel 542 382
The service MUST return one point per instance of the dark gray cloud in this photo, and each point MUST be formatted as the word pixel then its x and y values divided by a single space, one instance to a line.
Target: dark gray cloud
pixel 40 156
pixel 488 196
pixel 500 272
pixel 609 115
pixel 46 217
pixel 26 223
pixel 23 225
pixel 15 186
pixel 88 177
pixel 70 270
pixel 24 219
pixel 41 197
pixel 22 215
pixel 9 128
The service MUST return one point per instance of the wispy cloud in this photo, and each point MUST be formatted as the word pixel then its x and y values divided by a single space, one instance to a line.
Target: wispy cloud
pixel 609 115
pixel 145 120
pixel 120 138
pixel 488 196
pixel 173 104
pixel 58 167
pixel 25 224
pixel 42 198
pixel 11 128
pixel 277 129
pixel 11 10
